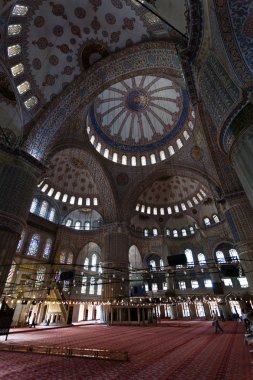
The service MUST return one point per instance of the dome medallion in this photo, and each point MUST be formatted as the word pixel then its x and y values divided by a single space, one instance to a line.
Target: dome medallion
pixel 137 100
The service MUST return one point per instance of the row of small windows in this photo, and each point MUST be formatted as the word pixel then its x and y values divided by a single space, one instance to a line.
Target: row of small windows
pixel 15 50
pixel 184 232
pixel 90 286
pixel 34 246
pixel 132 161
pixel 214 219
pixel 43 209
pixel 78 225
pixel 195 284
pixel 66 198
pixel 208 283
pixel 171 209
pixel 219 255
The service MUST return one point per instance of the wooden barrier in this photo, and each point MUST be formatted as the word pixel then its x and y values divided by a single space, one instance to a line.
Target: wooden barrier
pixel 67 351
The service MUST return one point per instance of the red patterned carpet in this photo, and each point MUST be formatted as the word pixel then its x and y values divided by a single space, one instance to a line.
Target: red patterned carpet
pixel 173 351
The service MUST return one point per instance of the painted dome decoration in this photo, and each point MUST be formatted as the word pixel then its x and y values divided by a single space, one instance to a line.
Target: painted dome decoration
pixel 144 117
pixel 172 195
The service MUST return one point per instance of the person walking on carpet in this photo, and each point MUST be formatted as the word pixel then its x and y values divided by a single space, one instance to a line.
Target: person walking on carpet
pixel 216 323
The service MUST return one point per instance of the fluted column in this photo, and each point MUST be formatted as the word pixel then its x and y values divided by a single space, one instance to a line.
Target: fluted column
pixel 239 216
pixel 18 179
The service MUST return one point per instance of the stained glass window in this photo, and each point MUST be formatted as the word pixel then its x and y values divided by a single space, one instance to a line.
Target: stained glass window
pixel 62 257
pixel 47 248
pixel 43 209
pixel 51 214
pixel 34 245
pixel 70 258
pixel 94 262
pixel 34 205
pixel 20 243
pixel 92 285
pixel 99 287
pixel 202 259
pixel 40 276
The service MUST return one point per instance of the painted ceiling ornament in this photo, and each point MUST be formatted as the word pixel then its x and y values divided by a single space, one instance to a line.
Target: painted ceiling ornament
pixel 196 153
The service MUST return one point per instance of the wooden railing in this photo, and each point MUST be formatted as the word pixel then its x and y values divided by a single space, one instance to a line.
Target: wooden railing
pixel 67 351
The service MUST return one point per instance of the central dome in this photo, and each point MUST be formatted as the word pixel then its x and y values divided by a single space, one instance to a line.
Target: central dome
pixel 143 114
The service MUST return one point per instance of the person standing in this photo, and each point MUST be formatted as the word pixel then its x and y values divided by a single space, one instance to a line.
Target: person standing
pixel 33 324
pixel 216 323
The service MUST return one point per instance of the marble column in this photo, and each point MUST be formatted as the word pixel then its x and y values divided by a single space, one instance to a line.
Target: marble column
pixel 239 215
pixel 241 156
pixel 19 175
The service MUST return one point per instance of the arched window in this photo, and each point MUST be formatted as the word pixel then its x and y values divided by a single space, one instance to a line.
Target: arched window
pixel 234 255
pixel 183 231
pixel 201 259
pixel 179 143
pixel 216 219
pixel 189 257
pixel 70 258
pixel 84 285
pixel 175 233
pixel 124 159
pixel 169 210
pixel 51 214
pixel 43 209
pixel 69 222
pixel 86 263
pixel 186 135
pixel 152 159
pixel 57 195
pixel 171 150
pixel 41 272
pixel 220 257
pixel 176 208
pixel 99 287
pixel 191 230
pixel 155 232
pixel 161 264
pixel 72 200
pixel 183 206
pixel 189 203
pixel 20 243
pixel 47 248
pixel 162 155
pixel 65 198
pixel 115 159
pixel 87 226
pixel 167 232
pixel 62 257
pixel 143 161
pixel 92 285
pixel 133 161
pixel 106 153
pixel 207 222
pixel 34 205
pixel 94 262
pixel 77 225
pixel 145 231
pixel 34 245
pixel 152 265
